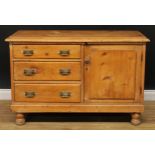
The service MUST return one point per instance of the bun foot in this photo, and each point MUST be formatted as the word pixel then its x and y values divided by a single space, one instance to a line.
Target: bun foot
pixel 135 119
pixel 20 119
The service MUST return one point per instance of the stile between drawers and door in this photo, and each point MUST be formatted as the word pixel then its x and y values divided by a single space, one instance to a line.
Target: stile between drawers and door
pixel 77 71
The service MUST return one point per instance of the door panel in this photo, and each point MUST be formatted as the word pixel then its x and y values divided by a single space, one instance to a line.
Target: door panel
pixel 111 72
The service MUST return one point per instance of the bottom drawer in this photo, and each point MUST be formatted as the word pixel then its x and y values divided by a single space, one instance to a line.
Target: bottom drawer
pixel 56 93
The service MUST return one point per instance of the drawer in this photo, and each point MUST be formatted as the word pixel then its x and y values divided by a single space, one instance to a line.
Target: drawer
pixel 47 71
pixel 47 93
pixel 46 51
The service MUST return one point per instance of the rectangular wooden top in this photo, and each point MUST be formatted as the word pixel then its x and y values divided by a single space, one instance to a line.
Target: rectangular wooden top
pixel 76 36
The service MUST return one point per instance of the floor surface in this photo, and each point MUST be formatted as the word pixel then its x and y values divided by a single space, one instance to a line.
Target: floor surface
pixel 59 121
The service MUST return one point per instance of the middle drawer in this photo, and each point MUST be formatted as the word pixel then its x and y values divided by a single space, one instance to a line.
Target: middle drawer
pixel 47 71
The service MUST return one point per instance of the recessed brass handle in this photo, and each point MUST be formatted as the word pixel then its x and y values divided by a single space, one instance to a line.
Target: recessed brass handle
pixel 30 94
pixel 28 52
pixel 65 71
pixel 29 71
pixel 65 94
pixel 64 52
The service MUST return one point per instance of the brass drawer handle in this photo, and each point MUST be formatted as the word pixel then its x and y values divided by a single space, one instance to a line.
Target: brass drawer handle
pixel 30 94
pixel 29 72
pixel 65 94
pixel 65 71
pixel 64 52
pixel 28 52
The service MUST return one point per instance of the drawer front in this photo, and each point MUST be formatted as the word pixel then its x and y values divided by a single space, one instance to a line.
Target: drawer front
pixel 46 51
pixel 55 93
pixel 47 71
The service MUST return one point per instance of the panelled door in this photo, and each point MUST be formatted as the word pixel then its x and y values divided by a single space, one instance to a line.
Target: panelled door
pixel 112 72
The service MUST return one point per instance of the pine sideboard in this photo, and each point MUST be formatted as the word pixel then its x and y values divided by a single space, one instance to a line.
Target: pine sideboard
pixel 77 71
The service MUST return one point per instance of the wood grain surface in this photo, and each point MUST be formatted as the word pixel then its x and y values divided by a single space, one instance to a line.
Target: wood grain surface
pixel 76 36
pixel 47 71
pixel 50 93
pixel 46 51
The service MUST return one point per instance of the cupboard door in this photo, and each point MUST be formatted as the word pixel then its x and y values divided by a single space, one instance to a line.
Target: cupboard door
pixel 110 72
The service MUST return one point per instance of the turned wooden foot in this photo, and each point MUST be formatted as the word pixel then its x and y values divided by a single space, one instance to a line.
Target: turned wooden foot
pixel 20 119
pixel 135 118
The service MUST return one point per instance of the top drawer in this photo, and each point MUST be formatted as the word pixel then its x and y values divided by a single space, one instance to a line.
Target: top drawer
pixel 46 51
